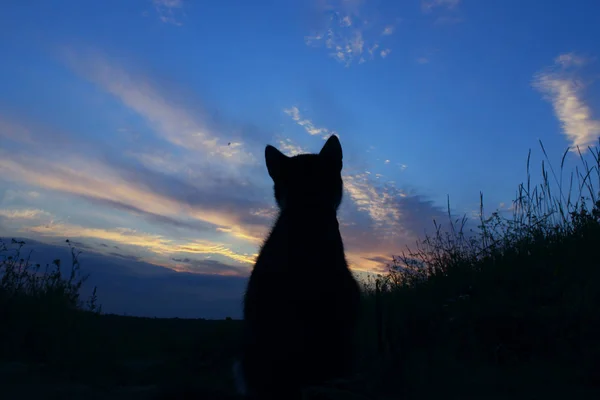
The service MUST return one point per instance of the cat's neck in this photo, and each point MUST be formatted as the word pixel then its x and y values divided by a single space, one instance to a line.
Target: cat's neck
pixel 304 233
pixel 300 216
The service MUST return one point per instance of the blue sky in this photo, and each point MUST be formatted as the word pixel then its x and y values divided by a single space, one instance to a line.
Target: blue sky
pixel 141 124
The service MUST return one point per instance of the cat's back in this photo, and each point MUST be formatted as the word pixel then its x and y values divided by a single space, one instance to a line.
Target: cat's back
pixel 301 300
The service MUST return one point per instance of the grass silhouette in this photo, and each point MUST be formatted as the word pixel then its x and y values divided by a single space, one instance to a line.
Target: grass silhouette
pixel 507 309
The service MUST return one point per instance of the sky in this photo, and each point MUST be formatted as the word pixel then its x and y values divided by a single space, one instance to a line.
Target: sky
pixel 137 128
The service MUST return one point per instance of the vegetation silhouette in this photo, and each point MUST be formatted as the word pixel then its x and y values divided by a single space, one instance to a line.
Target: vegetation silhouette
pixel 508 309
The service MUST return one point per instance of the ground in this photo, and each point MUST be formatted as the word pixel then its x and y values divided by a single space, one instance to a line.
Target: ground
pixel 141 358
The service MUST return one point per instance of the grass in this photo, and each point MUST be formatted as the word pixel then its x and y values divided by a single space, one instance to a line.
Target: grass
pixel 507 309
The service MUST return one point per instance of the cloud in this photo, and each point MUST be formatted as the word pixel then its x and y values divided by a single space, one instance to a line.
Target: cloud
pixel 570 60
pixel 373 222
pixel 216 203
pixel 195 184
pixel 162 220
pixel 381 229
pixel 396 220
pixel 288 147
pixel 368 198
pixel 307 124
pixel 208 266
pixel 561 84
pixel 30 214
pixel 218 192
pixel 183 188
pixel 167 10
pixel 384 53
pixel 142 192
pixel 377 219
pixel 172 122
pixel 212 196
pixel 151 242
pixel 348 34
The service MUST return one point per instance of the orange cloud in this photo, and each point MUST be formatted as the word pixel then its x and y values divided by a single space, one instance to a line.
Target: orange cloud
pixel 93 180
pixel 157 244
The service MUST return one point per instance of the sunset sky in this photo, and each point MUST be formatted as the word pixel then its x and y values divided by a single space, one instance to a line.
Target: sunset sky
pixel 137 128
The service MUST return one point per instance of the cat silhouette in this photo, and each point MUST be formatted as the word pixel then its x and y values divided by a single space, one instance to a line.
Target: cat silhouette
pixel 301 301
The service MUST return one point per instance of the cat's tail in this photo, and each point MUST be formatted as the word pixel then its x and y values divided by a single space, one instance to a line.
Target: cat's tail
pixel 238 378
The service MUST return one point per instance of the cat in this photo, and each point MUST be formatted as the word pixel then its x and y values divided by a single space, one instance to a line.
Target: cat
pixel 301 301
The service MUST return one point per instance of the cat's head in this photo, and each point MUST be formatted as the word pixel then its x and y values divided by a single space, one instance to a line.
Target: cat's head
pixel 307 180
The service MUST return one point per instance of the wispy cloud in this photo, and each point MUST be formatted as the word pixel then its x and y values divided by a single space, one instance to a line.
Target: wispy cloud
pixel 170 120
pixel 307 124
pixel 26 213
pixel 377 219
pixel 157 244
pixel 225 210
pixel 562 85
pixel 189 185
pixel 349 35
pixel 208 266
pixel 288 147
pixel 190 189
pixel 570 60
pixel 368 193
pixel 376 201
pixel 167 10
pixel 98 182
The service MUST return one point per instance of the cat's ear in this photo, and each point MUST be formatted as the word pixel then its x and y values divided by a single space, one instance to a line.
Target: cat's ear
pixel 332 150
pixel 276 161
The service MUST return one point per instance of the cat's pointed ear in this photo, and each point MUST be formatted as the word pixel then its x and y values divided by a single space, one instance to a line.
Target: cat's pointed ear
pixel 332 150
pixel 276 161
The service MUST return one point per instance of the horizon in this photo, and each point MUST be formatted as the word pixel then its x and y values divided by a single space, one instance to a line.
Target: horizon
pixel 138 130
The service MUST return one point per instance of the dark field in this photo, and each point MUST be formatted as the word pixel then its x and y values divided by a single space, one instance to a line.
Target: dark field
pixel 115 357
pixel 109 356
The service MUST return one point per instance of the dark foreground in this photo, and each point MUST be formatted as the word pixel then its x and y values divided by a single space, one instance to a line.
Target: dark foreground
pixel 116 357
